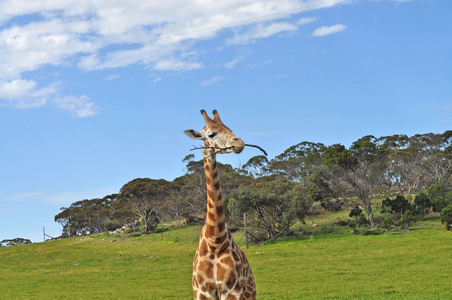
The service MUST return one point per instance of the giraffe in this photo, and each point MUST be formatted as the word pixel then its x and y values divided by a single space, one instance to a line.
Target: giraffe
pixel 220 267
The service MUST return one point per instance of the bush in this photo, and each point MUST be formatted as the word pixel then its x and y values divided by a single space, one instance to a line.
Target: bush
pixel 388 222
pixel 407 220
pixel 342 223
pixel 440 196
pixel 160 230
pixel 446 217
pixel 112 225
pixel 368 231
pixel 332 204
pixel 355 212
pixel 423 203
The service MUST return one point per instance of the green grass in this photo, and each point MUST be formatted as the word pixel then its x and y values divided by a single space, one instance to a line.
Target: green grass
pixel 321 266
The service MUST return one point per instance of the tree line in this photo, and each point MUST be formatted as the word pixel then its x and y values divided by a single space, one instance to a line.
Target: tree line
pixel 405 177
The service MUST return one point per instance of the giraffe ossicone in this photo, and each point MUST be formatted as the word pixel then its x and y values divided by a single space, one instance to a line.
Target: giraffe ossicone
pixel 220 267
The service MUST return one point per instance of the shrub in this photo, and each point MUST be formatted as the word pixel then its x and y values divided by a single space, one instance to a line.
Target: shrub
pixel 355 212
pixel 332 204
pixel 407 220
pixel 160 230
pixel 112 225
pixel 446 217
pixel 423 203
pixel 388 222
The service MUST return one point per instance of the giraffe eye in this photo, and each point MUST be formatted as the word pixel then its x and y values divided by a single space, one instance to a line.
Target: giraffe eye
pixel 212 135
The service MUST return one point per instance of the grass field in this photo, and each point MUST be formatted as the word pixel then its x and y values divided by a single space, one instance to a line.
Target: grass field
pixel 417 265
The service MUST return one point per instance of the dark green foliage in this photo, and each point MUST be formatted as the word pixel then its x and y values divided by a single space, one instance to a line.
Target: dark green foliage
pixel 388 222
pixel 14 242
pixel 332 204
pixel 112 225
pixel 272 206
pixel 440 195
pixel 398 205
pixel 355 212
pixel 446 217
pixel 407 220
pixel 422 203
pixel 369 168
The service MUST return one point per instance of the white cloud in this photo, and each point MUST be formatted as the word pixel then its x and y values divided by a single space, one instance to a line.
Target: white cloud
pixel 325 30
pixel 214 79
pixel 104 34
pixel 112 77
pixel 22 93
pixel 261 31
pixel 80 106
pixel 304 21
pixel 231 64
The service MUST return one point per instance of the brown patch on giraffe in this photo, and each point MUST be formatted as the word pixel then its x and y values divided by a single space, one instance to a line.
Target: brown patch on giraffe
pixel 195 282
pixel 208 287
pixel 200 279
pixel 221 227
pixel 220 210
pixel 250 281
pixel 206 167
pixel 212 248
pixel 210 204
pixel 231 297
pixel 217 186
pixel 207 268
pixel 210 194
pixel 236 256
pixel 202 297
pixel 237 286
pixel 210 231
pixel 221 272
pixel 203 249
pixel 215 175
pixel 211 216
pixel 227 261
pixel 208 181
pixel 231 280
pixel 220 240
pixel 223 249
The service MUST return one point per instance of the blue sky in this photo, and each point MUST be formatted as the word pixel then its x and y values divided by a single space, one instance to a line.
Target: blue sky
pixel 94 94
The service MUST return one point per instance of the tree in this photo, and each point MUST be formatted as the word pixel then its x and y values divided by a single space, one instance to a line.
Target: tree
pixel 399 205
pixel 273 206
pixel 256 166
pixel 423 203
pixel 145 197
pixel 299 163
pixel 358 170
pixel 446 217
pixel 14 242
pixel 86 216
pixel 440 196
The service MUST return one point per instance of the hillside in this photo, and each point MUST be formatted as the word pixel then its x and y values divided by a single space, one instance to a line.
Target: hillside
pixel 319 266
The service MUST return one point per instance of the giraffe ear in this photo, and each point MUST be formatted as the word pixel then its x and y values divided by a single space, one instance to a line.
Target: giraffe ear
pixel 193 134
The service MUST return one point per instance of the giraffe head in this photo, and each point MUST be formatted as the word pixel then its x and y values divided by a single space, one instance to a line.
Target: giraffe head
pixel 216 137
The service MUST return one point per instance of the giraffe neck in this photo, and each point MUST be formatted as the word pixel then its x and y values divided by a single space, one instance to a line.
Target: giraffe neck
pixel 214 228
